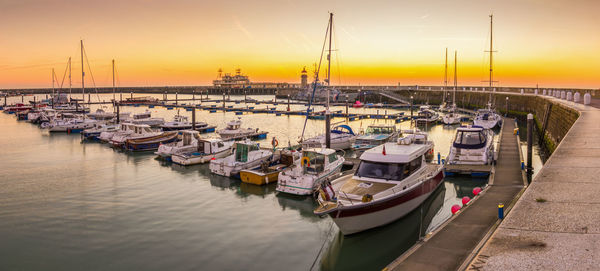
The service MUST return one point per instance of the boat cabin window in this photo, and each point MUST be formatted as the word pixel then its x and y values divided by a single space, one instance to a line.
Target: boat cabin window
pixel 379 130
pixel 242 150
pixel 332 158
pixel 388 171
pixel 220 144
pixel 469 138
pixel 317 162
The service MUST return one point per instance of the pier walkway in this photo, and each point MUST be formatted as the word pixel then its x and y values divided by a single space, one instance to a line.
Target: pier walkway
pixel 554 225
pixel 450 246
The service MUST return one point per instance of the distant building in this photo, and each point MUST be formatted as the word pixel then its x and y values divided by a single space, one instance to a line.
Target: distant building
pixel 241 81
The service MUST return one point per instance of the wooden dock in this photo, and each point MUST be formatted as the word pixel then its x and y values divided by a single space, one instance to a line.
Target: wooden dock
pixel 448 247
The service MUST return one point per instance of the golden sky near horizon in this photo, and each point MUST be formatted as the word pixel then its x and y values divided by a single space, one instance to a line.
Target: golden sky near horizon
pixel 184 42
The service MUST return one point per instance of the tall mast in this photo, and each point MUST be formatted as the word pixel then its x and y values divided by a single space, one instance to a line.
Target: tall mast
pixel 327 113
pixel 53 85
pixel 70 82
pixel 455 81
pixel 491 50
pixel 113 75
pixel 446 74
pixel 82 75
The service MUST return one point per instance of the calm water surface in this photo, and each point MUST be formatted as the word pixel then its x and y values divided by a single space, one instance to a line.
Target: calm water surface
pixel 83 206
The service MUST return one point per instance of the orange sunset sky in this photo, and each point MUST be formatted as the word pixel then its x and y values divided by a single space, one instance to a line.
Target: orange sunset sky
pixel 555 43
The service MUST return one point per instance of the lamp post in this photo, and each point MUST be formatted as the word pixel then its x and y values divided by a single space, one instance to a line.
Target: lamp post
pixel 506 114
pixel 411 108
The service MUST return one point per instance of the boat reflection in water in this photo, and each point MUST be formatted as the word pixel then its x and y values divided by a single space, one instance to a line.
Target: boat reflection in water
pixel 356 252
pixel 247 189
pixel 304 205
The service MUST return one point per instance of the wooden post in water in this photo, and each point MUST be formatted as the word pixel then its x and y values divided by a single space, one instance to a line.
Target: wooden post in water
pixel 176 97
pixel 118 114
pixel 288 108
pixel 223 100
pixel 194 118
pixel 131 94
pixel 529 146
pixel 194 95
pixel 7 95
pixel 22 98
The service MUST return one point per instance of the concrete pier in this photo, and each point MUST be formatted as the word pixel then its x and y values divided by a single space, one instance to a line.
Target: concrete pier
pixel 448 248
pixel 554 225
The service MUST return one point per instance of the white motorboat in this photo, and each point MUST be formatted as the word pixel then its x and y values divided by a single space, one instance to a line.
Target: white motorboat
pixel 247 155
pixel 100 114
pixel 472 145
pixel 487 118
pixel 124 129
pixel 234 130
pixel 206 150
pixel 147 119
pixel 427 116
pixel 71 125
pixel 374 136
pixel 188 143
pixel 306 176
pixel 139 131
pixel 342 138
pixel 97 129
pixel 179 123
pixel 391 180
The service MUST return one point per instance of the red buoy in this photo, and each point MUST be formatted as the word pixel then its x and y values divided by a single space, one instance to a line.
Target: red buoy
pixel 455 208
pixel 476 191
pixel 465 200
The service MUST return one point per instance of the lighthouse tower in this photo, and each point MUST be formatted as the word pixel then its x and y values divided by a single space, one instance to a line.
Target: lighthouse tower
pixel 304 78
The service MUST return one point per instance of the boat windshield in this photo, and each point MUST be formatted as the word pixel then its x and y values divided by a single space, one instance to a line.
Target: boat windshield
pixel 388 171
pixel 469 139
pixel 316 162
pixel 379 130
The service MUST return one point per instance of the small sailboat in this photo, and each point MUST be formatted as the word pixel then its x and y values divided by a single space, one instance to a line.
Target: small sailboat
pixel 487 117
pixel 374 136
pixel 207 149
pixel 188 143
pixel 391 180
pixel 472 145
pixel 100 114
pixel 247 155
pixel 306 176
pixel 452 116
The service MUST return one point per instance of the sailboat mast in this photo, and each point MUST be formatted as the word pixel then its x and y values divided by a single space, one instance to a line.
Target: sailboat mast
pixel 70 81
pixel 327 113
pixel 82 75
pixel 455 81
pixel 53 85
pixel 491 51
pixel 113 77
pixel 446 74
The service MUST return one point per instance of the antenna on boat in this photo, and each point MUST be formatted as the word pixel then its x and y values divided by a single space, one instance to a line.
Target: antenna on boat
pixel 113 79
pixel 445 76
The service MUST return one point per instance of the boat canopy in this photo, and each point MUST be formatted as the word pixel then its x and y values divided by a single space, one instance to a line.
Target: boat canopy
pixel 469 138
pixel 342 129
pixel 377 129
pixel 242 150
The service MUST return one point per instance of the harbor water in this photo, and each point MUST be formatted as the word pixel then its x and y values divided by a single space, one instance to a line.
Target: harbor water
pixel 69 205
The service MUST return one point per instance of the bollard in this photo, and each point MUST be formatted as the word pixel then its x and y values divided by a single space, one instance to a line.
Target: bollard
pixel 522 165
pixel 439 158
pixel 501 210
pixel 577 97
pixel 587 98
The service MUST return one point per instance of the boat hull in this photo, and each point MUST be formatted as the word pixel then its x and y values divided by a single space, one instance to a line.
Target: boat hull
pixel 198 159
pixel 258 178
pixel 353 220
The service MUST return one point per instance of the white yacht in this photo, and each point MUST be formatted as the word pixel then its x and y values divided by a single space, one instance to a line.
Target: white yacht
pixel 487 118
pixel 100 114
pixel 97 129
pixel 452 116
pixel 188 143
pixel 247 155
pixel 179 123
pixel 234 130
pixel 374 136
pixel 124 129
pixel 306 176
pixel 206 150
pixel 147 119
pixel 427 116
pixel 391 180
pixel 472 145
pixel 342 138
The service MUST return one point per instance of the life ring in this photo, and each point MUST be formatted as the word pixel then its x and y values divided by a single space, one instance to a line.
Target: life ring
pixel 305 161
pixel 274 142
